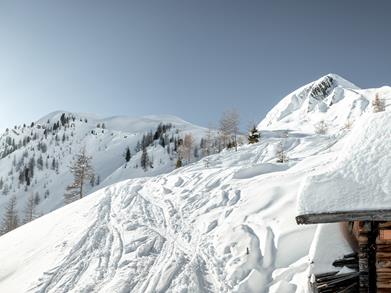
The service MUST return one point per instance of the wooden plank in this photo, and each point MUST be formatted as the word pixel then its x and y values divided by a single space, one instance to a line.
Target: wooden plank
pixel 382 264
pixel 382 254
pixel 345 216
pixel 384 270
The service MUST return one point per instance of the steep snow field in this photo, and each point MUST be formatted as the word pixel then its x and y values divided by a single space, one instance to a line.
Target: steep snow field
pixel 223 224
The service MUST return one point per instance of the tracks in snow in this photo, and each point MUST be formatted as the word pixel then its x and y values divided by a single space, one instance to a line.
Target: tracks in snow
pixel 137 242
pixel 92 261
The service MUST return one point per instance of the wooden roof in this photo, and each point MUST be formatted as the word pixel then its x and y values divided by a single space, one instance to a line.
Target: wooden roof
pixel 345 216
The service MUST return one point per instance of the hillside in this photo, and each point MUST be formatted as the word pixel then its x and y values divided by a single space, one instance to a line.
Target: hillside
pixel 35 158
pixel 188 229
pixel 223 223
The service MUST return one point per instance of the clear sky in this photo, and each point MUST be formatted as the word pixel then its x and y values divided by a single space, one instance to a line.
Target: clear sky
pixel 192 59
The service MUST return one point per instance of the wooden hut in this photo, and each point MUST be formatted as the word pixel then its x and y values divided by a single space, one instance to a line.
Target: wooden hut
pixel 372 231
pixel 355 190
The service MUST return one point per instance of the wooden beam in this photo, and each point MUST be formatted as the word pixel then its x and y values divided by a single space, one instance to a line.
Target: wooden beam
pixel 344 216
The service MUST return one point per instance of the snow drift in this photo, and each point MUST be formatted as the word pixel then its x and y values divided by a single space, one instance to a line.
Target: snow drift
pixel 361 177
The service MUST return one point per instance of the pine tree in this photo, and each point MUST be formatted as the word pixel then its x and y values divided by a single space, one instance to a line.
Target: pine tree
pixel 82 173
pixel 40 163
pixel 10 219
pixel 29 211
pixel 178 163
pixel 128 155
pixel 253 136
pixel 145 161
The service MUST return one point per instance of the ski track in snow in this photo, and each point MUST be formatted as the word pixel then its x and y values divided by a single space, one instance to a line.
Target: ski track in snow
pixel 158 219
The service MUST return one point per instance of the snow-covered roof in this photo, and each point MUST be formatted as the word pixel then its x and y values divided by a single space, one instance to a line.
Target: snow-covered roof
pixel 358 185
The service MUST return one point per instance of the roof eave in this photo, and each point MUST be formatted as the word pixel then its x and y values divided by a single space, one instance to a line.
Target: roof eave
pixel 344 216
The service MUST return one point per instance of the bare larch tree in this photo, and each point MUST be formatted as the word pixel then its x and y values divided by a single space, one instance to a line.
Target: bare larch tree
pixel 281 154
pixel 229 127
pixel 378 104
pixel 82 173
pixel 29 211
pixel 10 219
pixel 185 149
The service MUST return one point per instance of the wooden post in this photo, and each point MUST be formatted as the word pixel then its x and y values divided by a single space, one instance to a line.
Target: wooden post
pixel 364 229
pixel 372 235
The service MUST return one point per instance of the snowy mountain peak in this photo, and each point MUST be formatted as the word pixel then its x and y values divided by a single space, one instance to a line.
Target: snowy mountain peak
pixel 331 98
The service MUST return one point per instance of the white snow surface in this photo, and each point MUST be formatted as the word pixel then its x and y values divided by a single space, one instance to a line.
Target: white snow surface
pixel 360 179
pixel 223 224
pixel 186 231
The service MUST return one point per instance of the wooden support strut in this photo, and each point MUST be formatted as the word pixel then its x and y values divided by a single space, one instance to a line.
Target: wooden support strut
pixel 372 235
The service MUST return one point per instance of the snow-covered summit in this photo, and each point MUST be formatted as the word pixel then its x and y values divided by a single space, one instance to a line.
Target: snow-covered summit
pixel 331 99
pixel 123 123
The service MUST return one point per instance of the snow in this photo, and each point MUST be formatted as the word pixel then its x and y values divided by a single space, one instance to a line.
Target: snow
pixel 340 105
pixel 105 146
pixel 188 230
pixel 360 178
pixel 320 255
pixel 225 223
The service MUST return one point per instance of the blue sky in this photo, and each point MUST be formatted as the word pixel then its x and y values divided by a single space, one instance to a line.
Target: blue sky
pixel 193 59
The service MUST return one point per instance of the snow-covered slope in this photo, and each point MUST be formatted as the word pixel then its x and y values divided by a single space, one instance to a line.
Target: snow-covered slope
pixel 225 223
pixel 331 99
pixel 47 148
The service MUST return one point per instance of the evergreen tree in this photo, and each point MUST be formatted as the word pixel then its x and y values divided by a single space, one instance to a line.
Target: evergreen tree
pixel 178 163
pixel 145 161
pixel 82 172
pixel 253 136
pixel 63 119
pixel 37 198
pixel 128 155
pixel 10 219
pixel 40 163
